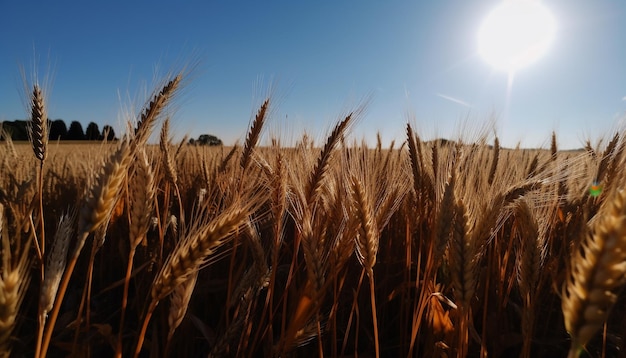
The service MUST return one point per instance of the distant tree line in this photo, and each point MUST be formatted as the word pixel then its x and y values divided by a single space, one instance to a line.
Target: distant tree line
pixel 18 130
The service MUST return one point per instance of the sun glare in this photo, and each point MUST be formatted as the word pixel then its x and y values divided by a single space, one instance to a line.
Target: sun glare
pixel 515 34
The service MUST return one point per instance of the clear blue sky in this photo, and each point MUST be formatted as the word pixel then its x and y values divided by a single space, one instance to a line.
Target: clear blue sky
pixel 321 58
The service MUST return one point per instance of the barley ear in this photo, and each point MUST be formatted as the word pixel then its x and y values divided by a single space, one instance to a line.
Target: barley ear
pixel 597 272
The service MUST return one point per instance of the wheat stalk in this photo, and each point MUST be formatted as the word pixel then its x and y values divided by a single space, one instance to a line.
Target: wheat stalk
pixel 194 249
pixel 323 161
pixel 597 272
pixel 168 161
pixel 494 162
pixel 180 147
pixel 367 240
pixel 6 136
pixel 367 245
pixel 254 134
pixel 463 263
pixel 179 301
pixel 55 263
pixel 38 124
pixel 435 160
pixel 38 133
pixel 314 254
pixel 95 213
pixel 14 281
pixel 553 146
pixel 142 191
pixel 192 252
pixel 153 109
pixel 445 218
pixel 529 269
pixel 103 195
pixel 422 183
pixel 224 163
pixel 462 257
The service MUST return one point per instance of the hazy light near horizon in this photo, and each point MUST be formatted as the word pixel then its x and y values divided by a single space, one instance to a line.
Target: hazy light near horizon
pixel 515 34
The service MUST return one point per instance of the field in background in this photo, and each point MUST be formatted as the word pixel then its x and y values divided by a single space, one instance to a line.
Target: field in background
pixel 428 249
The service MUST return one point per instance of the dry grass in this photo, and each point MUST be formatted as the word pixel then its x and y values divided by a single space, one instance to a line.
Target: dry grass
pixel 437 248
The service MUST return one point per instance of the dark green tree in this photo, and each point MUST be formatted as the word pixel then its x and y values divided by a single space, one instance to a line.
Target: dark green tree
pixel 208 139
pixel 16 129
pixel 76 131
pixel 92 132
pixel 58 130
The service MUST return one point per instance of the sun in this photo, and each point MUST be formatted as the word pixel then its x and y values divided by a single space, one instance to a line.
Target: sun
pixel 515 34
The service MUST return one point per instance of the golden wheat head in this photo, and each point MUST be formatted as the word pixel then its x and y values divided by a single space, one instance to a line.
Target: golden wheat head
pixel 597 272
pixel 38 124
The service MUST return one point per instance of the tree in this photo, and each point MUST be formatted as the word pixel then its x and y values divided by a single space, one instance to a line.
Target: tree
pixel 209 139
pixel 93 132
pixel 16 129
pixel 58 130
pixel 108 133
pixel 76 131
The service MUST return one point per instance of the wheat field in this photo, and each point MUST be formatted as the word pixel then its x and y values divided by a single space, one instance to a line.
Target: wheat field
pixel 421 249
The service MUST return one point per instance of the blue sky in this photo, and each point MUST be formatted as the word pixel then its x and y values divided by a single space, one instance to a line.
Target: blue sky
pixel 320 58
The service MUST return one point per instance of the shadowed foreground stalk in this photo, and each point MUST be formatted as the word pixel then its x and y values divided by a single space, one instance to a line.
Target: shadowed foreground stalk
pixel 191 253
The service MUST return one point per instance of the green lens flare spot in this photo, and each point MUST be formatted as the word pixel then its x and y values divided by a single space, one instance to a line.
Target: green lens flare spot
pixel 595 190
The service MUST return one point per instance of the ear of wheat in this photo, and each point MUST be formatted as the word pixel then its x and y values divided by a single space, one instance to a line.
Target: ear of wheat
pixel 195 248
pixel 192 252
pixel 179 301
pixel 55 264
pixel 597 272
pixel 323 161
pixel 38 124
pixel 142 191
pixel 152 110
pixel 104 193
pixel 254 134
pixel 14 280
pixel 168 160
pixel 494 161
